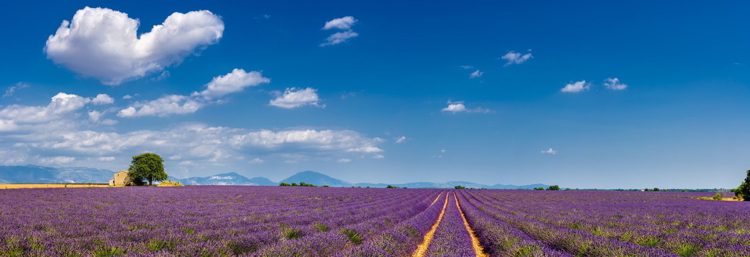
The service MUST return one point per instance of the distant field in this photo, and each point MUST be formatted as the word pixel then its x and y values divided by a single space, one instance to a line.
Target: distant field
pixel 21 186
pixel 295 221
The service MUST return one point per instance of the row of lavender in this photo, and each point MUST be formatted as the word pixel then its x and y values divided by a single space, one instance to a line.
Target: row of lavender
pixel 215 221
pixel 605 223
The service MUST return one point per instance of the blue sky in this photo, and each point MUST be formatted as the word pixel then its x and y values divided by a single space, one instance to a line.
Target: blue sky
pixel 581 94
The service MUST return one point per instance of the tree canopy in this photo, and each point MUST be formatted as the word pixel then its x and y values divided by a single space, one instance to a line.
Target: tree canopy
pixel 743 190
pixel 147 167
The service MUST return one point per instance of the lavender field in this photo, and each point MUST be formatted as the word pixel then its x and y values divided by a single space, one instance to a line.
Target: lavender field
pixel 288 221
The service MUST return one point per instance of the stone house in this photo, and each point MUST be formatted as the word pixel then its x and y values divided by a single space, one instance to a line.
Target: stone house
pixel 120 179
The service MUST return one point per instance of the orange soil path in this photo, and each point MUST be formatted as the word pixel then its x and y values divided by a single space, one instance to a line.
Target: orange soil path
pixel 474 240
pixel 422 248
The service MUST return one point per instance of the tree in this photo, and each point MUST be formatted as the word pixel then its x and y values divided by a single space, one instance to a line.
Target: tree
pixel 554 187
pixel 459 187
pixel 147 167
pixel 743 191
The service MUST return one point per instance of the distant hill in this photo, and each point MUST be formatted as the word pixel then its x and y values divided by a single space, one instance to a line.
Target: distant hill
pixel 316 178
pixel 230 178
pixel 41 174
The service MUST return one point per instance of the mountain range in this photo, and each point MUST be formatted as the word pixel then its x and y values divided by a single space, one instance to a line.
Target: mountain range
pixel 41 174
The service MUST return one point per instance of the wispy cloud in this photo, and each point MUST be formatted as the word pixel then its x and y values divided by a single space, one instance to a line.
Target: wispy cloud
pixel 513 57
pixel 10 91
pixel 459 107
pixel 476 74
pixel 614 84
pixel 549 151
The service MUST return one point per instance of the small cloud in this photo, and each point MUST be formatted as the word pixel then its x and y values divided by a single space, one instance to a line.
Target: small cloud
pixel 257 160
pixel 14 88
pixel 614 84
pixel 400 139
pixel 339 37
pixel 513 57
pixel 441 153
pixel 476 74
pixel 295 98
pixel 549 151
pixel 458 107
pixel 127 97
pixel 102 99
pixel 343 23
pixel 576 87
pixel 344 160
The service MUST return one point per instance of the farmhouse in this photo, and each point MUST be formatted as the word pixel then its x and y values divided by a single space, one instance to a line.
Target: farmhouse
pixel 120 179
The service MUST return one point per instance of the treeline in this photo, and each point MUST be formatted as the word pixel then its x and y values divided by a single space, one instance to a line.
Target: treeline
pixel 301 184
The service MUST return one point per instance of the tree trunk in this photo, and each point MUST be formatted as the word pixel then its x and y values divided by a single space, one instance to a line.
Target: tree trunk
pixel 150 182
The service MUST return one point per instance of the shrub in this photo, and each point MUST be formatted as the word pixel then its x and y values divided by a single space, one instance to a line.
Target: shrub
pixel 108 252
pixel 290 233
pixel 284 184
pixel 459 187
pixel 718 196
pixel 322 227
pixel 169 183
pixel 538 188
pixel 353 236
pixel 553 187
pixel 391 186
pixel 156 245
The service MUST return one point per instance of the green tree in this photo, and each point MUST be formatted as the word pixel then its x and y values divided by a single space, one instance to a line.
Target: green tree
pixel 743 191
pixel 459 187
pixel 147 167
pixel 554 187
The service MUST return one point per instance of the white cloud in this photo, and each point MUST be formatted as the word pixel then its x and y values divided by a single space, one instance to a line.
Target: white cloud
pixel 164 106
pixel 339 37
pixel 549 151
pixel 102 99
pixel 127 97
pixel 57 160
pixel 513 57
pixel 400 139
pixel 614 84
pixel 232 82
pixel 220 86
pixel 455 107
pixel 476 74
pixel 344 160
pixel 576 87
pixel 295 98
pixel 103 44
pixel 14 116
pixel 10 91
pixel 324 140
pixel 343 23
pixel 458 107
